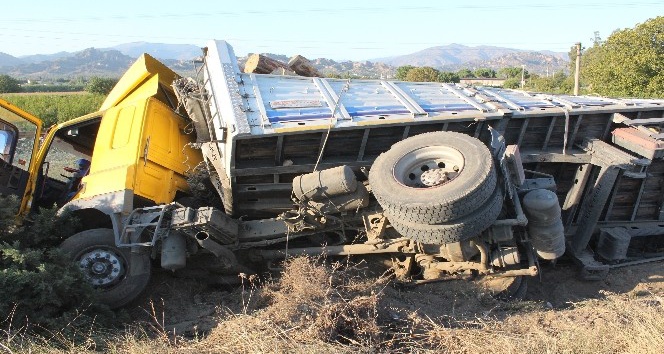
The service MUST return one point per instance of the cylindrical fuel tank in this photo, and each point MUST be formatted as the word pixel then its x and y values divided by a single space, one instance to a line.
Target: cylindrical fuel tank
pixel 174 251
pixel 545 225
pixel 320 185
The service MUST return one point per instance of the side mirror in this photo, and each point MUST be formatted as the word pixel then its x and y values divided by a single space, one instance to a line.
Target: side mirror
pixel 72 132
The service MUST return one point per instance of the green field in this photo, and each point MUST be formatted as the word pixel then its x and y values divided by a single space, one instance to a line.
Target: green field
pixel 53 108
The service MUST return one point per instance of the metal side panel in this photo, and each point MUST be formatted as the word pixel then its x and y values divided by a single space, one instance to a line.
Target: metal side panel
pixel 221 78
pixel 254 104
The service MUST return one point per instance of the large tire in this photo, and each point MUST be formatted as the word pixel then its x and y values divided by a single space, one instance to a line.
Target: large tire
pixel 397 181
pixel 119 275
pixel 458 230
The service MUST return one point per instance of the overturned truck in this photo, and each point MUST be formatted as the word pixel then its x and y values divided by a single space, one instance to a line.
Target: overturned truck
pixel 231 171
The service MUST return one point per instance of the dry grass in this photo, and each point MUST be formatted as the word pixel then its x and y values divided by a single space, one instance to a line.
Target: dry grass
pixel 318 308
pixel 616 324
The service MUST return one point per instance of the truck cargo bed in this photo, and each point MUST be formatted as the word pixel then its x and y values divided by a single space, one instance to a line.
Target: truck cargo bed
pixel 272 128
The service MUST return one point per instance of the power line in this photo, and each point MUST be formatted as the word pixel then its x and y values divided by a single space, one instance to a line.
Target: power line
pixel 446 8
pixel 322 43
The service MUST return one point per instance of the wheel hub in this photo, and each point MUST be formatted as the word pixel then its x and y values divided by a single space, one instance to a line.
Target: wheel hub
pixel 429 166
pixel 101 267
pixel 432 178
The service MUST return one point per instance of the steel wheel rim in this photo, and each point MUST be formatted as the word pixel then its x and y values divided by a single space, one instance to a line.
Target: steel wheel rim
pixel 102 267
pixel 428 167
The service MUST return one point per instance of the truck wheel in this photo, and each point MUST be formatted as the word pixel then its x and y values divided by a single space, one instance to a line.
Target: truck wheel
pixel 433 178
pixel 458 230
pixel 118 274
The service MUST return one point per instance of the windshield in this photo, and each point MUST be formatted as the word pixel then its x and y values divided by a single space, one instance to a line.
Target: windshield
pixel 71 144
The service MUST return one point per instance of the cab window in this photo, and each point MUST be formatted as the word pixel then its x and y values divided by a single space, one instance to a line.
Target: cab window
pixel 66 162
pixel 17 138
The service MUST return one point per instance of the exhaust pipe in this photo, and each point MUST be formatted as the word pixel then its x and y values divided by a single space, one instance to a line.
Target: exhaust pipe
pixel 204 240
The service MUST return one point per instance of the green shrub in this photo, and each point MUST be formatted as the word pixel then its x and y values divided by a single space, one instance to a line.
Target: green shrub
pixel 100 85
pixel 53 109
pixel 53 88
pixel 39 286
pixel 9 84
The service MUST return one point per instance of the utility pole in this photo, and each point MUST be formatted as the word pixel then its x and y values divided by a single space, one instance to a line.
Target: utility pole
pixel 577 72
pixel 523 78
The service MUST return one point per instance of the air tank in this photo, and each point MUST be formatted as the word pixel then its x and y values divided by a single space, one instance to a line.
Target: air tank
pixel 545 225
pixel 174 251
pixel 320 185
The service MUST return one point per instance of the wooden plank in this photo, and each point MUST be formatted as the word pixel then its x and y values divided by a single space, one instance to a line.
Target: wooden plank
pixel 259 171
pixel 261 64
pixel 548 133
pixel 478 129
pixel 363 145
pixel 637 204
pixel 608 128
pixel 570 141
pixel 302 66
pixel 406 131
pixel 613 198
pixel 278 152
pixel 524 126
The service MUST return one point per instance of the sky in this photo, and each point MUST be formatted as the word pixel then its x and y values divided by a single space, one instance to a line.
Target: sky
pixel 339 29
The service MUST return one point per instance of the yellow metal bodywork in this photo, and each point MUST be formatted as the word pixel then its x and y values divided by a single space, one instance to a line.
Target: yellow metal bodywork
pixel 33 167
pixel 132 85
pixel 140 146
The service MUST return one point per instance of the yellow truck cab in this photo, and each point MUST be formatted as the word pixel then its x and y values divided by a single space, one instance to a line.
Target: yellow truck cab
pixel 131 153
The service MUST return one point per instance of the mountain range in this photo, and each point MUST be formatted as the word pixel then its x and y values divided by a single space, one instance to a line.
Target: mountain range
pixel 113 61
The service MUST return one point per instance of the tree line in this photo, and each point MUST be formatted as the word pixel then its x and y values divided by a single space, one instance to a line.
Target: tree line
pixel 630 63
pixel 53 109
pixel 94 85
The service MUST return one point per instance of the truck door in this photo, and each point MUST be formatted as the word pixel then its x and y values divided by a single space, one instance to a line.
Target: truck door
pixel 19 141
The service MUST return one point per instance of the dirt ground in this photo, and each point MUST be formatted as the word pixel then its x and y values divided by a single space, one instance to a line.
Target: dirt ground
pixel 188 307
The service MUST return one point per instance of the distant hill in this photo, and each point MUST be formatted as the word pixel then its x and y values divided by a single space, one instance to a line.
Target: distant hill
pixel 8 60
pixel 88 62
pixel 115 60
pixel 535 62
pixel 456 56
pixel 38 58
pixel 446 55
pixel 159 50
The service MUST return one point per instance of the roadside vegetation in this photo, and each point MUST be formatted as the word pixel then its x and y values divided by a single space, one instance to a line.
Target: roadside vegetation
pixel 629 63
pixel 56 108
pixel 332 307
pixel 57 102
pixel 40 289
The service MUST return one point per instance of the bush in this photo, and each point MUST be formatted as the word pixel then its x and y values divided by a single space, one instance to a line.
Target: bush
pixel 422 74
pixel 100 85
pixel 512 83
pixel 53 88
pixel 445 76
pixel 9 84
pixel 39 286
pixel 54 109
pixel 485 72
